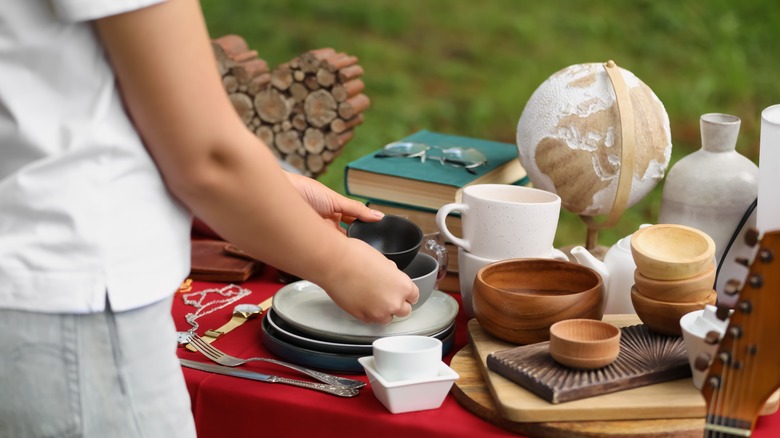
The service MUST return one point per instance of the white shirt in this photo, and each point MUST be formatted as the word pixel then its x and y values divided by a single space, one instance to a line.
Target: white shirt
pixel 84 211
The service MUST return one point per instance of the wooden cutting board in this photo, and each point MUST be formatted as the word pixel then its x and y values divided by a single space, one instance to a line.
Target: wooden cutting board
pixel 473 394
pixel 674 399
pixel 645 358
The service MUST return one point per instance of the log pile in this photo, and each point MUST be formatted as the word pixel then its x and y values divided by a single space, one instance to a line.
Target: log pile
pixel 305 110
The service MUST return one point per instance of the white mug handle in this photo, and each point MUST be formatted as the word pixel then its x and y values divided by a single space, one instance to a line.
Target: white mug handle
pixel 441 217
pixel 557 254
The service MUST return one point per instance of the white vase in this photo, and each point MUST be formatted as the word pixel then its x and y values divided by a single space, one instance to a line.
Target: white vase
pixel 711 188
pixel 769 170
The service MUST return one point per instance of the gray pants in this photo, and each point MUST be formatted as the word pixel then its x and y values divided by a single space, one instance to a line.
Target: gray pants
pixel 94 375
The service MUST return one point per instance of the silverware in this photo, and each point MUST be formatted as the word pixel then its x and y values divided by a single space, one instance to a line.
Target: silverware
pixel 227 360
pixel 340 391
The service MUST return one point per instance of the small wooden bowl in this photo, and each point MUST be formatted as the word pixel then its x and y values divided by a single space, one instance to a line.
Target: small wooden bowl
pixel 517 300
pixel 678 291
pixel 664 316
pixel 584 343
pixel 671 252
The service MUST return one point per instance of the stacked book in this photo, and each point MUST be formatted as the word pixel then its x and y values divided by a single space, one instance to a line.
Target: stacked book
pixel 416 188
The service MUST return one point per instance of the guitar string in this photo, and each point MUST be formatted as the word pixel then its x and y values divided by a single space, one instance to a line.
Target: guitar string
pixel 750 325
pixel 740 226
pixel 723 394
pixel 755 323
pixel 733 378
pixel 714 404
pixel 716 414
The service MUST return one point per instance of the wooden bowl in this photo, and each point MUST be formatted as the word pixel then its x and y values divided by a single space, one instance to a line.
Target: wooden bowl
pixel 517 300
pixel 671 252
pixel 398 238
pixel 679 291
pixel 584 343
pixel 664 316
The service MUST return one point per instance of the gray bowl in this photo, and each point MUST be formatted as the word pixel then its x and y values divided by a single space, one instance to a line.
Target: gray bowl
pixel 423 271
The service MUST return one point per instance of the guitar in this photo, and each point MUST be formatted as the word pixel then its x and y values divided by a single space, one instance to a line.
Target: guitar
pixel 746 369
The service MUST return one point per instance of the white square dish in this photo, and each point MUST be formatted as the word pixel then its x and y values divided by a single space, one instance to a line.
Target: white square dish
pixel 410 395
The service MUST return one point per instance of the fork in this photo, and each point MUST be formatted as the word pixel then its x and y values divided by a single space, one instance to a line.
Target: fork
pixel 225 359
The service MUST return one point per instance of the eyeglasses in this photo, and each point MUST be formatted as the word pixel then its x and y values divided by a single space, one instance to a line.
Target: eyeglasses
pixel 467 158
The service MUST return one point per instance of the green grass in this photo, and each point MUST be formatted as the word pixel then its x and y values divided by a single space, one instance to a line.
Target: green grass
pixel 467 68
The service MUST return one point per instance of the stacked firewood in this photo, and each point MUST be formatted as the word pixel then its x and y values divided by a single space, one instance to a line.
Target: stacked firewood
pixel 305 110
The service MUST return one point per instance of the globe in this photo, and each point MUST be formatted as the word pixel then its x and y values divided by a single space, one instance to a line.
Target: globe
pixel 569 138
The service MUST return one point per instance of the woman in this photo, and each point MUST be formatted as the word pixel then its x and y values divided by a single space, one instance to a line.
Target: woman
pixel 94 227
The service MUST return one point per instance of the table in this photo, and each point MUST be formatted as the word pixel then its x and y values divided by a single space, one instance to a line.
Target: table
pixel 226 406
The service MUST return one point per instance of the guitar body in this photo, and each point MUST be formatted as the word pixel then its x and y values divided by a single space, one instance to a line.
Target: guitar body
pixel 746 369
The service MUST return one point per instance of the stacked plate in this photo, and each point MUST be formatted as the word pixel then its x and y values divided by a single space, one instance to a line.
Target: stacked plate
pixel 306 327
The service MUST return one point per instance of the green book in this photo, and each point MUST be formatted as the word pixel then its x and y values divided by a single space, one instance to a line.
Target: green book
pixel 429 184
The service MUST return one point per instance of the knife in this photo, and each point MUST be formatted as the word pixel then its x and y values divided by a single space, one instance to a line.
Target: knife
pixel 252 375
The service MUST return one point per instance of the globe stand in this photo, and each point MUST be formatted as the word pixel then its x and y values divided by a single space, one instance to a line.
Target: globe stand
pixel 591 238
pixel 628 147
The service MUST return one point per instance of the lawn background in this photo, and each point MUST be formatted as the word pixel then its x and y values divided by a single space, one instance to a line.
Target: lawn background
pixel 468 68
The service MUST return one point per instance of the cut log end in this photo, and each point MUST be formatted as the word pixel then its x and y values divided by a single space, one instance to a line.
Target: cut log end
pixel 320 108
pixel 272 106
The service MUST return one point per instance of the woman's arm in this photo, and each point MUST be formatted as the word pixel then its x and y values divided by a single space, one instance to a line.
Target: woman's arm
pixel 211 162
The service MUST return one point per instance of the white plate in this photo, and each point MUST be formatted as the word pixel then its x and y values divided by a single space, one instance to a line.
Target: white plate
pixel 307 307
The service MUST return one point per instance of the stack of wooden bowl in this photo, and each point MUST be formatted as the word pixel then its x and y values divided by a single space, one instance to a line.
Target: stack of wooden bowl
pixel 675 275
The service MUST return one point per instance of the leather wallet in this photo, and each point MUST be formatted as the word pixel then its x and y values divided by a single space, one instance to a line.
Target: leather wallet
pixel 213 260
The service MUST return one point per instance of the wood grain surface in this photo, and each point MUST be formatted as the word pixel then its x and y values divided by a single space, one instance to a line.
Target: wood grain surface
pixel 672 399
pixel 645 358
pixel 472 393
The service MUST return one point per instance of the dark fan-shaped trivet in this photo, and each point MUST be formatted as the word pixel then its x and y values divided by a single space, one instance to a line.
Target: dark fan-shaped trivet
pixel 645 358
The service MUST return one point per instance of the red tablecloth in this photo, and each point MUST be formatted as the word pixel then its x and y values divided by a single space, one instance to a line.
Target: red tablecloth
pixel 226 406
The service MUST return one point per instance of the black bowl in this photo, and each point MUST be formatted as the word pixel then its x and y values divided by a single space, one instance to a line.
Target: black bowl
pixel 399 239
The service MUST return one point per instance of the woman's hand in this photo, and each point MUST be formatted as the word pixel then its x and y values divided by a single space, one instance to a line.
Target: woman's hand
pixel 368 285
pixel 330 205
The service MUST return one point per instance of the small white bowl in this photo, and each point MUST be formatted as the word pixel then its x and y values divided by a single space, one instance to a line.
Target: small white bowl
pixel 409 395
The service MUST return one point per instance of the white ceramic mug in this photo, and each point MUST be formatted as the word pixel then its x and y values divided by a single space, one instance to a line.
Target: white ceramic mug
pixel 502 221
pixel 409 357
pixel 468 266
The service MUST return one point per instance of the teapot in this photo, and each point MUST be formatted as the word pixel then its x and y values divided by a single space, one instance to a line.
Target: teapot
pixel 617 272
